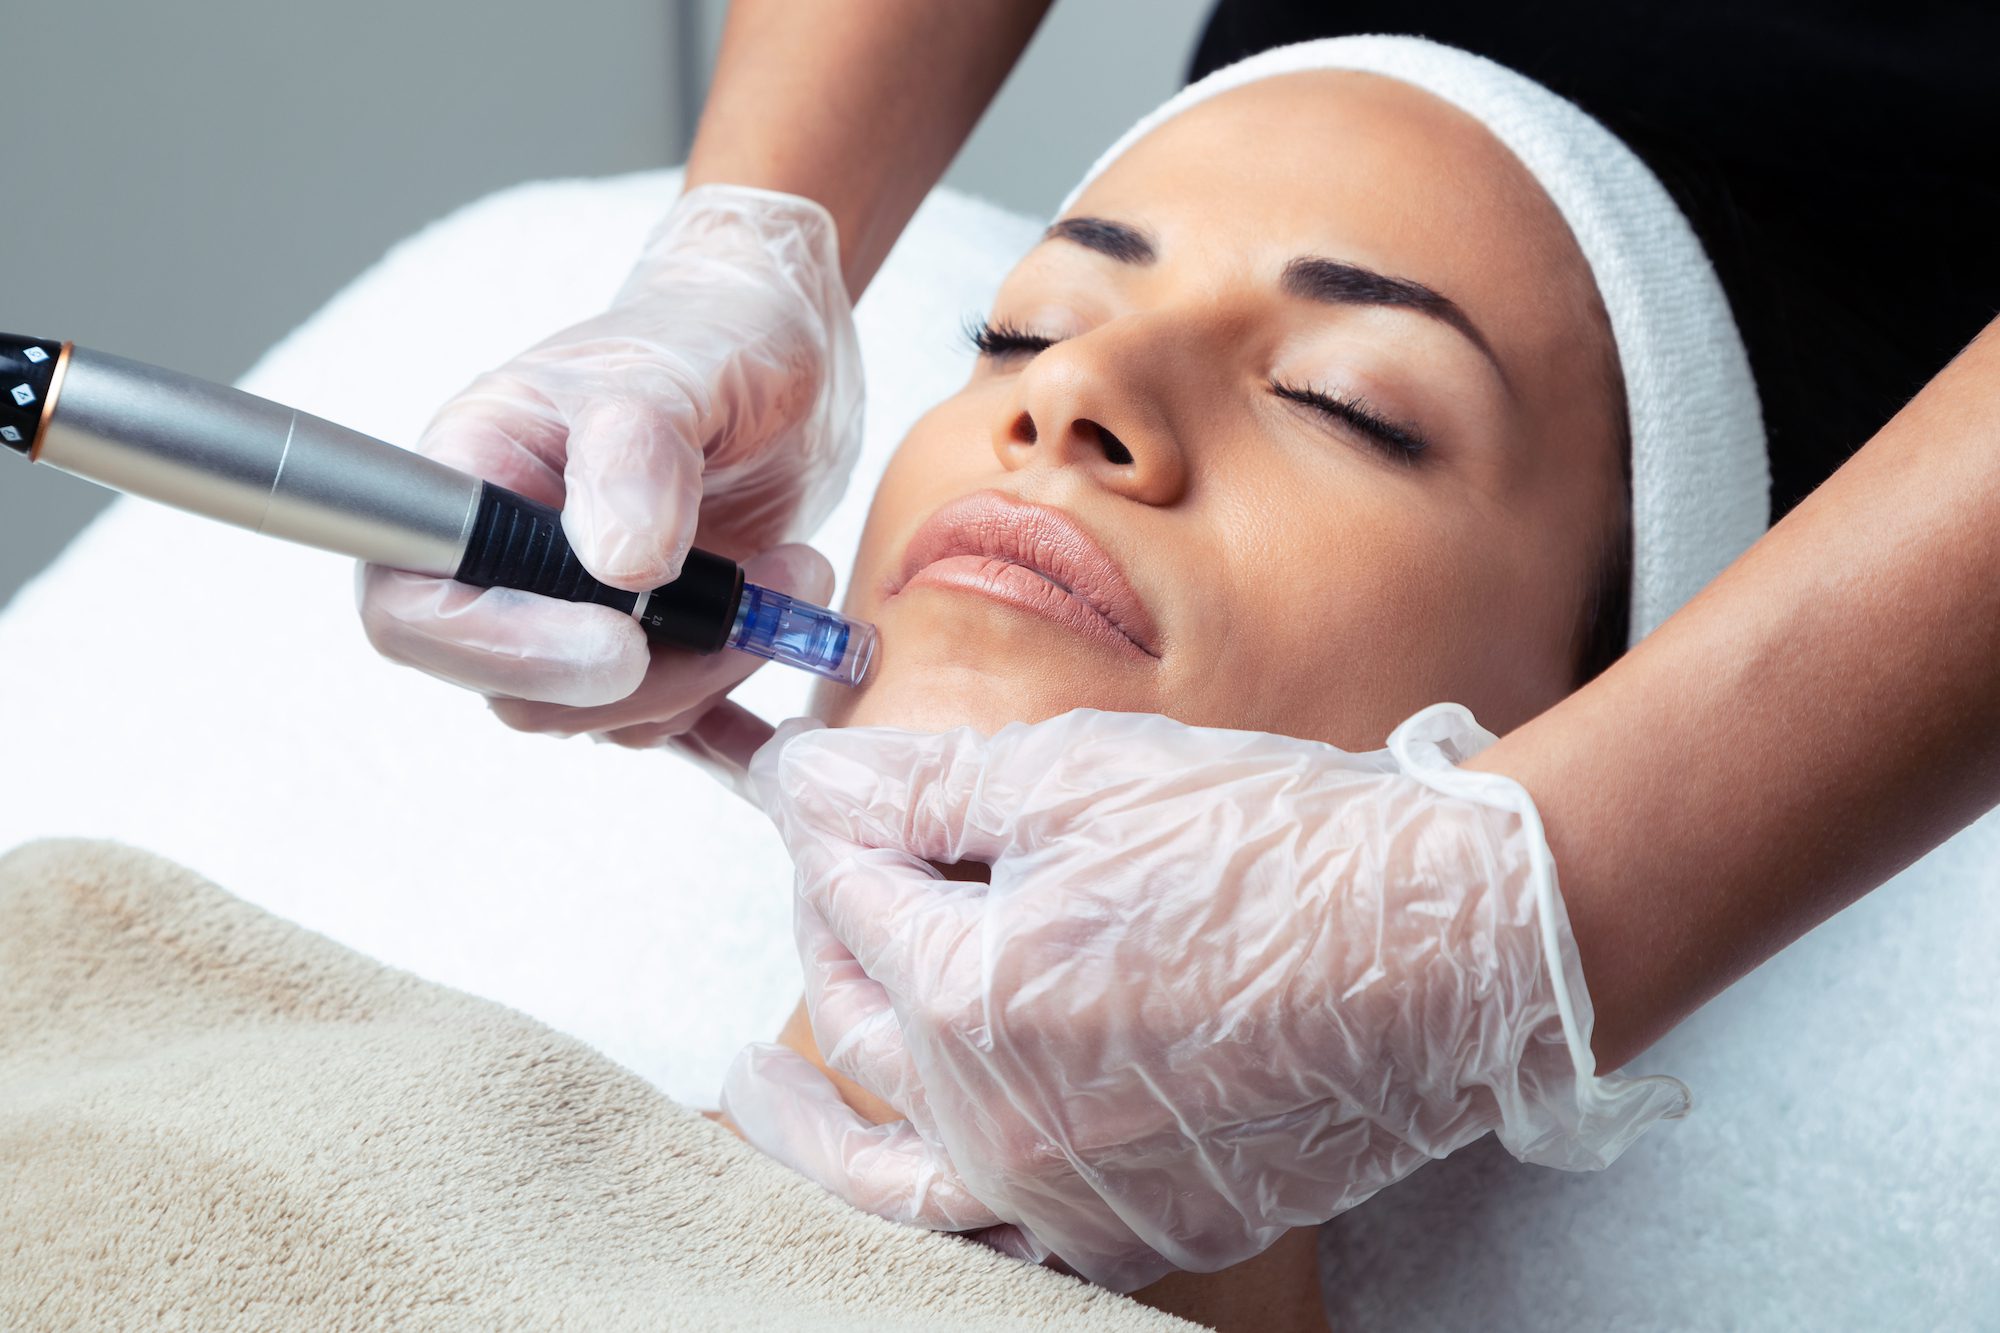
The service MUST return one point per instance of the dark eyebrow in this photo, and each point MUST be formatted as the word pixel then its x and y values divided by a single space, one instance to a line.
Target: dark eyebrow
pixel 1328 281
pixel 1126 244
pixel 1336 283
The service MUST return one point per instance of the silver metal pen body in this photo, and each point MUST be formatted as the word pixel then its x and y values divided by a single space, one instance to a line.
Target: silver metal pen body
pixel 217 451
pixel 256 464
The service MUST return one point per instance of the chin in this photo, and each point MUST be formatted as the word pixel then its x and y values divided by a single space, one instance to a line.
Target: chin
pixel 918 699
pixel 939 681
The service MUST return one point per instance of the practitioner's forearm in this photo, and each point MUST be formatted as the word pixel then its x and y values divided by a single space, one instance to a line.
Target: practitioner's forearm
pixel 1823 714
pixel 858 106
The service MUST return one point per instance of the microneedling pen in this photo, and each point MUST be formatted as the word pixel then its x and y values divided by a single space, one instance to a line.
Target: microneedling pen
pixel 229 455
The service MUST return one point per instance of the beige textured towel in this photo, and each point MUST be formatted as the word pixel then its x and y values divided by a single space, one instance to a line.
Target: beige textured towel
pixel 212 1118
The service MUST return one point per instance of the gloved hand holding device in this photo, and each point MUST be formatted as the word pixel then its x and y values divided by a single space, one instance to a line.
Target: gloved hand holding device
pixel 720 391
pixel 1221 983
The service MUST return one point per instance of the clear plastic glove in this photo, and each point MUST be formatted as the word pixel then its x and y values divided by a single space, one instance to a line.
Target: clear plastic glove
pixel 1221 983
pixel 721 392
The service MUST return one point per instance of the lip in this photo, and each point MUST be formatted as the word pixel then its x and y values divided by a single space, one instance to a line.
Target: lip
pixel 1031 556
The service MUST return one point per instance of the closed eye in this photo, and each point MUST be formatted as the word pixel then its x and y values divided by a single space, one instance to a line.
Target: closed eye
pixel 1004 339
pixel 1399 442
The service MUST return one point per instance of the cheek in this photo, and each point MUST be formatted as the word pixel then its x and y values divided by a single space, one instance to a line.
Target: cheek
pixel 1340 624
pixel 1347 612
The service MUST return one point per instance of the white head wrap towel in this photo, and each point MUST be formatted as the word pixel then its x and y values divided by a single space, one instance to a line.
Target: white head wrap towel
pixel 1700 480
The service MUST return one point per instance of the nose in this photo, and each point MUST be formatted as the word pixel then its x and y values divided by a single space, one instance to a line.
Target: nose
pixel 1094 402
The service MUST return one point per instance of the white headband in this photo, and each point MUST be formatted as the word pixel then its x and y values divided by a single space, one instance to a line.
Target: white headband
pixel 1700 480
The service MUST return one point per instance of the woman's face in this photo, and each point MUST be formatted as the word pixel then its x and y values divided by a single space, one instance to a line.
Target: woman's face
pixel 1161 490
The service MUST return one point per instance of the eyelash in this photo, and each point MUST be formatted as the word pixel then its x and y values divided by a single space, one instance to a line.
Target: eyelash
pixel 1399 442
pixel 1003 339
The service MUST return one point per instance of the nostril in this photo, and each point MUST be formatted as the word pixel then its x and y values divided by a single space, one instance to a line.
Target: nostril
pixel 1114 451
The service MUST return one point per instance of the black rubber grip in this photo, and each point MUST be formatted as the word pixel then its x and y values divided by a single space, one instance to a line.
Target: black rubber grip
pixel 27 366
pixel 519 543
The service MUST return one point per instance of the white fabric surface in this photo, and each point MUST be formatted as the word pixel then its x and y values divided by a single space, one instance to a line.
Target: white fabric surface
pixel 1837 1171
pixel 1700 480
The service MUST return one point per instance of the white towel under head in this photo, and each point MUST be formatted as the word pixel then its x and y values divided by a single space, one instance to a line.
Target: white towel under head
pixel 1700 480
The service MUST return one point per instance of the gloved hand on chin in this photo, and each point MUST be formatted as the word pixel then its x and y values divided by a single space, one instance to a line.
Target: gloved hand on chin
pixel 719 393
pixel 1221 983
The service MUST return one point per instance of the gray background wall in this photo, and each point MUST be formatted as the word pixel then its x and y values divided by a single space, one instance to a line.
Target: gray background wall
pixel 187 182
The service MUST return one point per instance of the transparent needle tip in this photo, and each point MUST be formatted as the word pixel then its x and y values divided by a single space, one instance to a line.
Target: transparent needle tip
pixel 784 629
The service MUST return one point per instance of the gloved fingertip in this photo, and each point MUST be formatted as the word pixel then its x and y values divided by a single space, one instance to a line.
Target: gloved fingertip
pixel 614 676
pixel 633 496
pixel 566 654
pixel 501 642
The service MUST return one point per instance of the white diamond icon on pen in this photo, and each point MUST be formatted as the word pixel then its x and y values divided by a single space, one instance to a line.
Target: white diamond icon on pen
pixel 9 434
pixel 36 355
pixel 23 394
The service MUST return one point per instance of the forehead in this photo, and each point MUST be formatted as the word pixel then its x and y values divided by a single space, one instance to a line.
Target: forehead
pixel 1363 168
